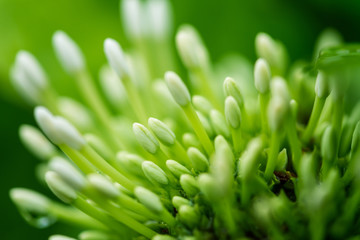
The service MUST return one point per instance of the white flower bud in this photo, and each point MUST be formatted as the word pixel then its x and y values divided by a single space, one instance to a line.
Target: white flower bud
pixel 202 104
pixel 232 112
pixel 67 172
pixel 62 190
pixel 198 159
pixel 36 142
pixel 149 199
pixel 60 237
pixel 262 76
pixel 231 88
pixel 162 132
pixel 146 139
pixel 154 173
pixel 189 184
pixel 103 185
pixel 176 168
pixel 30 200
pixel 218 122
pixel 68 52
pixel 116 57
pixel 177 89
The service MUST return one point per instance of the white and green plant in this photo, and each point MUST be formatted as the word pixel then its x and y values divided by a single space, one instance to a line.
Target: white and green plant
pixel 270 153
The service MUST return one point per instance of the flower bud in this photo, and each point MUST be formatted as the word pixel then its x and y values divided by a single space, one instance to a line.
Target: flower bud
pixel 189 185
pixel 162 132
pixel 262 76
pixel 176 168
pixel 177 89
pixel 232 112
pixel 179 201
pixel 202 104
pixel 149 199
pixel 232 89
pixel 146 139
pixel 189 216
pixel 68 52
pixel 36 142
pixel 103 185
pixel 116 57
pixel 198 159
pixel 154 173
pixel 62 190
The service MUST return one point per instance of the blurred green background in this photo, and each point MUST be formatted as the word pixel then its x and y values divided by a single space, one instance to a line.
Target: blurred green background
pixel 226 26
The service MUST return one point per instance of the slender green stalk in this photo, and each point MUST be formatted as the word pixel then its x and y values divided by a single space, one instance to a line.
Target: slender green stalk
pixel 314 118
pixel 272 158
pixel 198 129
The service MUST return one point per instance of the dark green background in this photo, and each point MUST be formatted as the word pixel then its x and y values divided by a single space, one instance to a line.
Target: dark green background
pixel 226 26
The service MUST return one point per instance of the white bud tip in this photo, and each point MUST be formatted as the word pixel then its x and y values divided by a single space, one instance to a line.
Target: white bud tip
pixel 103 185
pixel 68 52
pixel 36 142
pixel 29 200
pixel 45 120
pixel 146 139
pixel 177 89
pixel 279 88
pixel 67 172
pixel 62 190
pixel 149 199
pixel 232 112
pixel 154 173
pixel 31 68
pixel 159 12
pixel 116 57
pixel 60 237
pixel 262 76
pixel 162 132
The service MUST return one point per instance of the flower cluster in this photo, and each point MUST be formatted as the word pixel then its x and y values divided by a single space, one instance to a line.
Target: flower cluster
pixel 270 155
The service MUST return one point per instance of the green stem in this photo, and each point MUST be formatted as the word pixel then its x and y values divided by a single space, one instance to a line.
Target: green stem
pixel 120 215
pixel 92 97
pixel 264 101
pixel 295 144
pixel 236 138
pixel 273 154
pixel 78 159
pixel 95 213
pixel 135 100
pixel 73 215
pixel 106 168
pixel 198 129
pixel 314 118
pixel 205 88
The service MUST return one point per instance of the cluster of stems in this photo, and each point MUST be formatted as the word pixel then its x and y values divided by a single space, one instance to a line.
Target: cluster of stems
pixel 272 155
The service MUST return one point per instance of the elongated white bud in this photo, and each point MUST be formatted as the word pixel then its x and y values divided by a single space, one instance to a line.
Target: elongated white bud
pixel 28 77
pixel 232 112
pixel 68 52
pixel 132 12
pixel 154 173
pixel 60 237
pixel 36 142
pixel 262 76
pixel 189 184
pixel 277 113
pixel 176 168
pixel 202 104
pixel 149 199
pixel 32 70
pixel 146 139
pixel 159 18
pixel 231 88
pixel 198 159
pixel 76 112
pixel 103 185
pixel 191 48
pixel 58 129
pixel 179 201
pixel 162 132
pixel 116 57
pixel 29 200
pixel 62 190
pixel 177 89
pixel 67 172
pixel 45 120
